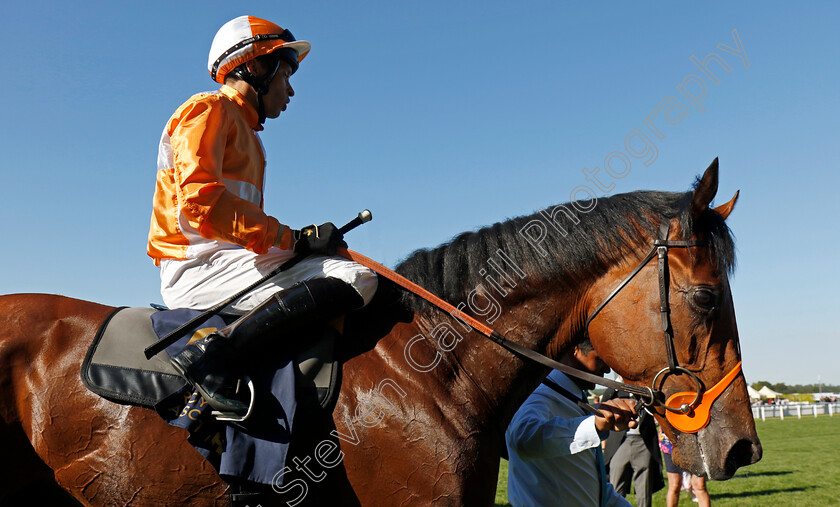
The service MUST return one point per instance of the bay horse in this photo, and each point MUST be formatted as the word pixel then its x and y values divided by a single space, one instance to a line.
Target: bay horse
pixel 424 404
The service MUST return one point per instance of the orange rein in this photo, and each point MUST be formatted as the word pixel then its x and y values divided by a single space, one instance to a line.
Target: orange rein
pixel 416 289
pixel 694 420
pixel 515 348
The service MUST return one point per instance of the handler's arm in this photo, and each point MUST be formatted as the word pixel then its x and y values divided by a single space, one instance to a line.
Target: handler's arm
pixel 542 429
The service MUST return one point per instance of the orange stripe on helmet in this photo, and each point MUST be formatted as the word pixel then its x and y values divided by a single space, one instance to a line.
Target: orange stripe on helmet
pixel 233 44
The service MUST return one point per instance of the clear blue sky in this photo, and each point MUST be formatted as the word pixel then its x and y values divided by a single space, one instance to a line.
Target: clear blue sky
pixel 440 117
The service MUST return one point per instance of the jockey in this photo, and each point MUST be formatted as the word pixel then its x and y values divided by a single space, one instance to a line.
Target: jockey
pixel 209 234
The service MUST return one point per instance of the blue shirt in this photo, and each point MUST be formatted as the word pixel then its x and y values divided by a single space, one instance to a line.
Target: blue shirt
pixel 552 446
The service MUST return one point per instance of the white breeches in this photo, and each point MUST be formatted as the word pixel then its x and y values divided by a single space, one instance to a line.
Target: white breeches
pixel 203 283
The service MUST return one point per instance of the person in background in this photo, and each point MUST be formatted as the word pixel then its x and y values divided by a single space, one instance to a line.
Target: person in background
pixel 675 478
pixel 633 457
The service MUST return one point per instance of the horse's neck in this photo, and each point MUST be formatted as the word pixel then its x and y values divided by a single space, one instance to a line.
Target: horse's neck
pixel 540 320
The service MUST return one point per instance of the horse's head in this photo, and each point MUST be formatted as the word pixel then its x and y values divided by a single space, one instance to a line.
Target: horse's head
pixel 628 334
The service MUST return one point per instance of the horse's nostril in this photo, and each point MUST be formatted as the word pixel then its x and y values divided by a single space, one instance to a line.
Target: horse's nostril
pixel 744 452
pixel 757 452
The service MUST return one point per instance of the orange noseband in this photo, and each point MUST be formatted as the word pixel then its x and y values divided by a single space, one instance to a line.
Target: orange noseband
pixel 698 417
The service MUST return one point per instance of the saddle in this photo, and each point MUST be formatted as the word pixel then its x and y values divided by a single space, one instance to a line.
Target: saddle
pixel 116 368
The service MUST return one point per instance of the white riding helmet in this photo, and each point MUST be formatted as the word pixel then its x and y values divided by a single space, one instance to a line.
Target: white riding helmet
pixel 244 38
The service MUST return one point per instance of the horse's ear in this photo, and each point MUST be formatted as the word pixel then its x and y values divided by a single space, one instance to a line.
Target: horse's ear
pixel 725 209
pixel 705 190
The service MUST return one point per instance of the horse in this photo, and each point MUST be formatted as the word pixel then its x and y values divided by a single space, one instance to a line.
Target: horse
pixel 425 401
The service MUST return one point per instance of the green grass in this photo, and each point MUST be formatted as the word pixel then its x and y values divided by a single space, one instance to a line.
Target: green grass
pixel 801 466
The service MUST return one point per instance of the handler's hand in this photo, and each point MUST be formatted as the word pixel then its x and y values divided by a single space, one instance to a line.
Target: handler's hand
pixel 616 415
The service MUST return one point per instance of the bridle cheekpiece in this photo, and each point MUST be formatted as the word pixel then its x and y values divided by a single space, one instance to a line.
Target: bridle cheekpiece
pixel 680 412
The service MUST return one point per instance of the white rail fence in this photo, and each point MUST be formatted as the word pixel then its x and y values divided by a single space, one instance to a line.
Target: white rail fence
pixel 798 410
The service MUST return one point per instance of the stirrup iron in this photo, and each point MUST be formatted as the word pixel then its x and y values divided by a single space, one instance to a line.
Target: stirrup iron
pixel 233 416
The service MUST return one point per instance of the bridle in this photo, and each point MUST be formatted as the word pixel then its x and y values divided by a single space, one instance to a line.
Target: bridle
pixel 660 250
pixel 685 416
pixel 679 411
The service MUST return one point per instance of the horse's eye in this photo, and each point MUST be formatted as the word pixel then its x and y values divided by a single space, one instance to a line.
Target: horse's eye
pixel 705 299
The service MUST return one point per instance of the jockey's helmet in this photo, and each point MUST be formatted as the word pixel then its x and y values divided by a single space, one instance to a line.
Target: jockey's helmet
pixel 245 38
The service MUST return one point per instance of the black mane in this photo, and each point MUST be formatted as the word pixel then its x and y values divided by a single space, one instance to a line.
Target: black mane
pixel 617 226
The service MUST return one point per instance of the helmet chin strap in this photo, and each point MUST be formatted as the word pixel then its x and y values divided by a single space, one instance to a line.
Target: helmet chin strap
pixel 261 84
pixel 260 108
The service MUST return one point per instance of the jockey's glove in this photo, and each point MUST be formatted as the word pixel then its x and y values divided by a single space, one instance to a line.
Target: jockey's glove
pixel 321 239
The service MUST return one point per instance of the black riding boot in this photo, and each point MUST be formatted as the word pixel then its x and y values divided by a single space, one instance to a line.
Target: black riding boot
pixel 207 363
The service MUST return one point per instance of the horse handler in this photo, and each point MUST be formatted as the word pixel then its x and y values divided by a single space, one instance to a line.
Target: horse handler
pixel 554 446
pixel 209 234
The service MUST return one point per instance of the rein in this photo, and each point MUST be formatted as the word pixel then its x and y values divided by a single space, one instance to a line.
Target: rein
pixel 488 332
pixel 685 416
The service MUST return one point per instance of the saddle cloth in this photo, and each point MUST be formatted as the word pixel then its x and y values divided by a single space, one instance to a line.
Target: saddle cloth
pixel 116 368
